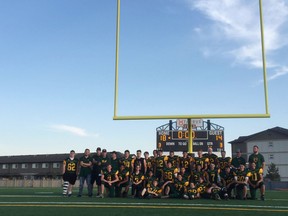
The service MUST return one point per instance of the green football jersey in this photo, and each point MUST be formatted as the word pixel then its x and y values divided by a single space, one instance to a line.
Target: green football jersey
pixel 169 173
pixel 228 177
pixel 109 176
pixel 202 161
pixel 255 175
pixel 154 189
pixel 174 160
pixel 258 159
pixel 149 180
pixel 127 162
pixel 104 162
pixel 70 165
pixel 223 162
pixel 241 175
pixel 160 162
pixel 136 177
pixel 201 188
pixel 213 175
pixel 180 185
pixel 123 174
pixel 195 176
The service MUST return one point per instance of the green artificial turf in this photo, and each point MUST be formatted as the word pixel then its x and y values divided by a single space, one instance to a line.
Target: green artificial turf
pixel 46 201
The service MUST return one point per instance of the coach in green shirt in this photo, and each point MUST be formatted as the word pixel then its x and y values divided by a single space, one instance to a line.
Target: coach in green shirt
pixel 257 158
pixel 85 172
pixel 238 160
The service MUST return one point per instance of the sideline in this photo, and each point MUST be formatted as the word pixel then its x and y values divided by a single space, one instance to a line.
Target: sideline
pixel 143 207
pixel 206 206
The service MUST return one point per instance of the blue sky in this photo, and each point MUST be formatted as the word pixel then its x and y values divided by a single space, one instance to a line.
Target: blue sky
pixel 176 57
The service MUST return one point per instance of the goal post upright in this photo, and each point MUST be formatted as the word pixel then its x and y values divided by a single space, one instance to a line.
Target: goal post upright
pixel 263 57
pixel 188 116
pixel 117 58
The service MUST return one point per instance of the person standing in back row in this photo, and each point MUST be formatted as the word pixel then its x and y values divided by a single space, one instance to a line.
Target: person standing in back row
pixel 96 170
pixel 257 158
pixel 238 160
pixel 70 169
pixel 139 161
pixel 85 172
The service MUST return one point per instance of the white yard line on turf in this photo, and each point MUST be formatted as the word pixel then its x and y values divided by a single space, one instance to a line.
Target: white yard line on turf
pixel 149 204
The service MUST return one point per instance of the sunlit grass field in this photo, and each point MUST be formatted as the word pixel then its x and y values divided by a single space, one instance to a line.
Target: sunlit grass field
pixel 47 201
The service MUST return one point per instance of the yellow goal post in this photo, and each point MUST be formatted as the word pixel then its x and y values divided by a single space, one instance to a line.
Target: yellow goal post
pixel 189 116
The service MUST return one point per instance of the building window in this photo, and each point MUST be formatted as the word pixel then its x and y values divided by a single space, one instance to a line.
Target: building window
pixel 45 165
pixel 24 166
pixel 4 166
pixel 56 165
pixel 14 166
pixel 271 157
pixel 270 144
pixel 35 166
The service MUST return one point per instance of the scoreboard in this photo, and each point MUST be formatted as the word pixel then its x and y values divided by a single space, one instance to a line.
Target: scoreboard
pixel 177 140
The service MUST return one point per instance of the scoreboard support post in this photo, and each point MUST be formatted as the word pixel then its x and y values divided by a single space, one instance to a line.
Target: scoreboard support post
pixel 190 141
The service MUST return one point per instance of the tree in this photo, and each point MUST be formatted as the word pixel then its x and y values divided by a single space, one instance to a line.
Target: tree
pixel 273 173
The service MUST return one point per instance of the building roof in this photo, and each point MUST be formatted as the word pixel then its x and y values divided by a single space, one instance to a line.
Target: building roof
pixel 46 158
pixel 276 133
pixel 33 158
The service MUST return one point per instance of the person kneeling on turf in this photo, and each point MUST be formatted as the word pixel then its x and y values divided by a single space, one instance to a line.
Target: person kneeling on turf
pixel 255 181
pixel 191 191
pixel 241 181
pixel 153 191
pixel 108 178
pixel 137 179
pixel 207 191
pixel 228 181
pixel 123 182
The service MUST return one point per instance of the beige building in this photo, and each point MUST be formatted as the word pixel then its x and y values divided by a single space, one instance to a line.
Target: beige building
pixel 47 166
pixel 32 166
pixel 273 145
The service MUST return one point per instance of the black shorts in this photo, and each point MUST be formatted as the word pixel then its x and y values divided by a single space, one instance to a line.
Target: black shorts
pixel 96 177
pixel 70 177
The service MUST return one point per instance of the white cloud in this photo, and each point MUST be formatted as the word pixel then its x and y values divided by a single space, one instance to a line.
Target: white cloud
pixel 206 52
pixel 197 30
pixel 71 129
pixel 279 72
pixel 237 21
